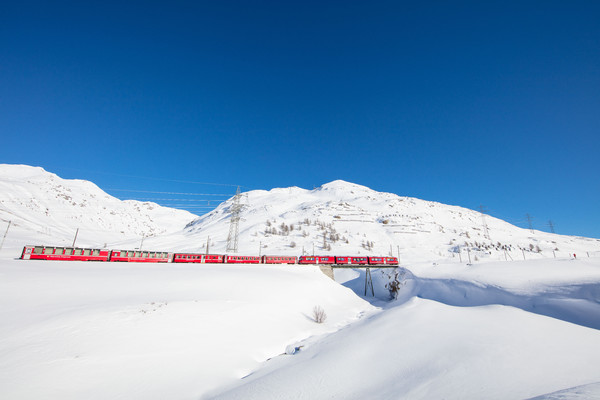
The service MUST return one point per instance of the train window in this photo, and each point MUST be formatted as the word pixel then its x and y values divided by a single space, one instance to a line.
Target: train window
pixel 68 252
pixel 95 252
pixel 38 250
pixel 58 250
pixel 145 254
pixel 87 252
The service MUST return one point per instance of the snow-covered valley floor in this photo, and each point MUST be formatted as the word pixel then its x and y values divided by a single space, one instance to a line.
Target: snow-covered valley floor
pixel 512 330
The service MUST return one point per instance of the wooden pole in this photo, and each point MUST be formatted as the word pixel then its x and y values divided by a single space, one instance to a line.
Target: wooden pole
pixel 5 233
pixel 76 232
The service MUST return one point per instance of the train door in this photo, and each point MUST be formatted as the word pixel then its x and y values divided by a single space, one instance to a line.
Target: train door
pixel 26 253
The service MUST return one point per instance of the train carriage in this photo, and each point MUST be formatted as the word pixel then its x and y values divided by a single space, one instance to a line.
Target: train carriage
pixel 279 260
pixel 63 253
pixel 198 258
pixel 141 256
pixel 359 260
pixel 391 261
pixel 342 260
pixel 242 259
pixel 383 261
pixel 316 260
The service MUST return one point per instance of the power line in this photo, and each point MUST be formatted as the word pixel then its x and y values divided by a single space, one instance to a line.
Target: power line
pixel 151 178
pixel 188 194
pixel 171 199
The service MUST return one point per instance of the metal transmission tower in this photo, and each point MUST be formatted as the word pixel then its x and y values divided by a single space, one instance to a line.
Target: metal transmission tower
pixel 234 226
pixel 551 225
pixel 529 218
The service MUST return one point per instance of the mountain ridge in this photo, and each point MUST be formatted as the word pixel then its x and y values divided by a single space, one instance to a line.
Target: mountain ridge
pixel 338 217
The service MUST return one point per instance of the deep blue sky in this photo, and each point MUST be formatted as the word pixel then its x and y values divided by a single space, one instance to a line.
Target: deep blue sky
pixel 465 103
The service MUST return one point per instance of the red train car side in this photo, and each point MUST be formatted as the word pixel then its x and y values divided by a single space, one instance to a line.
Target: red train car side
pixel 383 261
pixel 279 260
pixel 198 258
pixel 63 253
pixel 391 261
pixel 242 260
pixel 359 260
pixel 140 256
pixel 316 260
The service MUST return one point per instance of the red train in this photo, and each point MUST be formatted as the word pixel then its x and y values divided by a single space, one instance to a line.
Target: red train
pixel 81 254
pixel 350 261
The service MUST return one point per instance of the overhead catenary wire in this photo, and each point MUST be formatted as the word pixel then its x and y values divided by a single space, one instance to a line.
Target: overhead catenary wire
pixel 181 193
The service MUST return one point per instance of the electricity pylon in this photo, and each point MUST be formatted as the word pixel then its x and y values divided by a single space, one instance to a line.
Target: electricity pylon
pixel 234 225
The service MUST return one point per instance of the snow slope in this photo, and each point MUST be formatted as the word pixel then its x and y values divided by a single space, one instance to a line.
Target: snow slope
pixel 131 331
pixel 46 209
pixel 73 330
pixel 429 350
pixel 445 339
pixel 344 218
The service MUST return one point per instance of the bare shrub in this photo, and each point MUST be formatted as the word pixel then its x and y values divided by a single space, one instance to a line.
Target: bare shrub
pixel 319 314
pixel 397 280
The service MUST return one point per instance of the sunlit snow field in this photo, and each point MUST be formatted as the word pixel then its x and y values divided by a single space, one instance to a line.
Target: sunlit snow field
pixel 73 330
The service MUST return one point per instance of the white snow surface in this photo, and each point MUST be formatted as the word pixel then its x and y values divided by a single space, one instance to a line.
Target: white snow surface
pixel 511 323
pixel 46 209
pixel 73 330
pixel 136 331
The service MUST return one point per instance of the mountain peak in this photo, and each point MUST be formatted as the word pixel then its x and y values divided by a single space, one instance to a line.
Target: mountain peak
pixel 341 185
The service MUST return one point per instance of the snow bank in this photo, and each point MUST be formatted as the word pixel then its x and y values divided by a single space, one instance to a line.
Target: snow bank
pixel 427 350
pixel 74 330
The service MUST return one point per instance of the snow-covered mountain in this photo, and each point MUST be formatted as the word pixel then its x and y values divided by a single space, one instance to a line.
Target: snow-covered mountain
pixel 48 210
pixel 345 218
pixel 338 218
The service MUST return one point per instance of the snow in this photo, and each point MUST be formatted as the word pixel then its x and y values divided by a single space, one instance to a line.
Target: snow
pixel 46 209
pixel 76 330
pixel 424 349
pixel 495 327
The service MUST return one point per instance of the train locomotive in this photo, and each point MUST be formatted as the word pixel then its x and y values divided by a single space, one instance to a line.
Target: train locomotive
pixel 85 254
